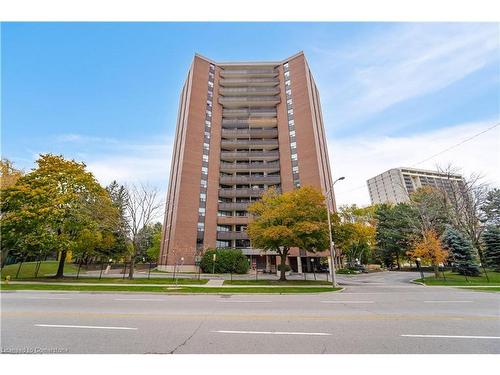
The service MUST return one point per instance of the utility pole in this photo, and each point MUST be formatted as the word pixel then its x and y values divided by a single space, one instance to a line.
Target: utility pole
pixel 329 197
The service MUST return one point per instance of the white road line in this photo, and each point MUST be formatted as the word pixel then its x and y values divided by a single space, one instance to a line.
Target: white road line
pixel 447 301
pixel 347 301
pixel 276 333
pixel 139 299
pixel 455 337
pixel 91 327
pixel 238 301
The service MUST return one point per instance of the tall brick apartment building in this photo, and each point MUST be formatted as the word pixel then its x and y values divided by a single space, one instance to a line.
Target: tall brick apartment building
pixel 242 128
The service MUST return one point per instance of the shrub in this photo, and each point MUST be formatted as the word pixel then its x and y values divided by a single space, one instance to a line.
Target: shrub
pixel 227 260
pixel 286 266
pixel 346 271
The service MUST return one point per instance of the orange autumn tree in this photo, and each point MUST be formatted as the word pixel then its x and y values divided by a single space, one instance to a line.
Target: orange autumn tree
pixel 430 250
pixel 297 218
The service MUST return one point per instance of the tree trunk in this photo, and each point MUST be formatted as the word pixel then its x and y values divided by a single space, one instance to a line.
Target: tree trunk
pixel 397 261
pixel 60 268
pixel 436 271
pixel 282 266
pixel 131 271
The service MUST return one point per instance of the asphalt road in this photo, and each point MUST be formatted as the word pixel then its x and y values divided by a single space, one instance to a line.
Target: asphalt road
pixel 376 313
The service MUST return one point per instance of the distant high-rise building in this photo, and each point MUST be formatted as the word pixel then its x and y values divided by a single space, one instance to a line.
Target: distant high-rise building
pixel 396 185
pixel 242 128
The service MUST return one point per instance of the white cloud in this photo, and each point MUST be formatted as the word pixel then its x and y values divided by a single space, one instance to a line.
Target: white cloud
pixel 146 162
pixel 369 76
pixel 360 158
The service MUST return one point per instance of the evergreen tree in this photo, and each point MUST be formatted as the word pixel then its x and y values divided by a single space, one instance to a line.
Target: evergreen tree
pixel 491 239
pixel 461 252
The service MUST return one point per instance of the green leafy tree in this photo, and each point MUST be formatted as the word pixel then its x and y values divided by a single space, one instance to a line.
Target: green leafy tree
pixel 59 201
pixel 395 232
pixel 297 218
pixel 226 260
pixel 491 239
pixel 461 252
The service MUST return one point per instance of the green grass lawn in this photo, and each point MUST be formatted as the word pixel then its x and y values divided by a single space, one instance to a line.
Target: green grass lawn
pixel 47 268
pixel 276 282
pixel 167 290
pixel 453 279
pixel 119 280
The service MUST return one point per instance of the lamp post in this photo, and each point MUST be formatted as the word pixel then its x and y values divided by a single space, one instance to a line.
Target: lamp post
pixel 332 244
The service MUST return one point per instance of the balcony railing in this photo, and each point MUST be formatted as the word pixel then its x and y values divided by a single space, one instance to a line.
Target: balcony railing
pixel 244 112
pixel 249 179
pixel 249 132
pixel 232 220
pixel 239 101
pixel 249 82
pixel 239 193
pixel 231 235
pixel 249 166
pixel 242 155
pixel 249 91
pixel 248 73
pixel 231 206
pixel 239 143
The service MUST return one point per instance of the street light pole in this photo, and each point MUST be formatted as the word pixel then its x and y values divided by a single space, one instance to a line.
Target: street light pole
pixel 332 244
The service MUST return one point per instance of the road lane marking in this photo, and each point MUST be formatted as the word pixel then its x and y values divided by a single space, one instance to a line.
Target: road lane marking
pixel 239 301
pixel 347 301
pixel 455 337
pixel 276 333
pixel 447 301
pixel 139 299
pixel 90 327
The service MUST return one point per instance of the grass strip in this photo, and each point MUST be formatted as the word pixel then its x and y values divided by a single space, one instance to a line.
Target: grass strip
pixel 454 279
pixel 166 290
pixel 276 282
pixel 112 280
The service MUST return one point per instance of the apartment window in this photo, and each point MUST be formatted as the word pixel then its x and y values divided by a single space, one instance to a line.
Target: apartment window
pixel 201 211
pixel 209 103
pixel 287 75
pixel 294 157
pixel 289 102
pixel 292 133
pixel 224 213
pixel 201 226
pixel 205 158
pixel 203 197
pixel 295 170
pixel 285 66
pixel 291 123
pixel 203 183
pixel 290 111
pixel 204 170
pixel 293 145
pixel 209 113
pixel 223 228
pixel 211 84
pixel 206 146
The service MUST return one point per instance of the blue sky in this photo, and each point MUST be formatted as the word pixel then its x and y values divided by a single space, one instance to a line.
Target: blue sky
pixel 392 93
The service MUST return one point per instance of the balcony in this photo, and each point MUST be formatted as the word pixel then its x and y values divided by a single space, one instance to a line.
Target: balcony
pixel 248 73
pixel 244 143
pixel 235 123
pixel 255 101
pixel 249 133
pixel 232 235
pixel 232 220
pixel 232 206
pixel 247 112
pixel 249 179
pixel 248 91
pixel 235 82
pixel 245 155
pixel 256 167
pixel 240 193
